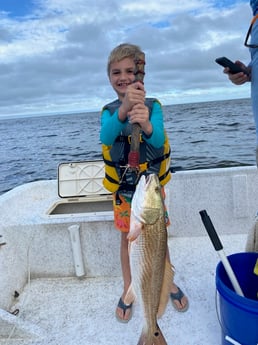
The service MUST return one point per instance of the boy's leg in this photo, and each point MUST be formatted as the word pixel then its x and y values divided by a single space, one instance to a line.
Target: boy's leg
pixel 124 313
pixel 125 264
pixel 179 300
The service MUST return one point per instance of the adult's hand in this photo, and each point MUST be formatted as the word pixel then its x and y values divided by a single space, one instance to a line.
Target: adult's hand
pixel 238 78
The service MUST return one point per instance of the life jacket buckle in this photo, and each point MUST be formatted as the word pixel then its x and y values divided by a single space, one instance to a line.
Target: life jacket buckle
pixel 130 138
pixel 144 166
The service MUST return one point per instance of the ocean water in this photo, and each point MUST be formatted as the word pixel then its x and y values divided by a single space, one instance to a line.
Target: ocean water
pixel 202 136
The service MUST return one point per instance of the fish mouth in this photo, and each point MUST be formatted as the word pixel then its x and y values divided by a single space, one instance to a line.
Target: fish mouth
pixel 148 179
pixel 152 178
pixel 147 185
pixel 146 202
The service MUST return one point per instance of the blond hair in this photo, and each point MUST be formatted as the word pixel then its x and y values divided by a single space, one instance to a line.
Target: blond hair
pixel 122 51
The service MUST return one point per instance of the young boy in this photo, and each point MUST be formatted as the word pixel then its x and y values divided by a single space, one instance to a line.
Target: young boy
pixel 116 128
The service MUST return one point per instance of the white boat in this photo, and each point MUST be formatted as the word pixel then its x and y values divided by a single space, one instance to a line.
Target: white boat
pixel 59 256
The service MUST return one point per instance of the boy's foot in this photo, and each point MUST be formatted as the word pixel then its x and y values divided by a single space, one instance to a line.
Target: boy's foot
pixel 179 300
pixel 124 311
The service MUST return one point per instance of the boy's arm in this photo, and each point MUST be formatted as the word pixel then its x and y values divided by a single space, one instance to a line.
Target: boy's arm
pixel 111 127
pixel 157 138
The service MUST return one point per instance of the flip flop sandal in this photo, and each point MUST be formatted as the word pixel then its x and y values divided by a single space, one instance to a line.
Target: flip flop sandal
pixel 124 307
pixel 177 296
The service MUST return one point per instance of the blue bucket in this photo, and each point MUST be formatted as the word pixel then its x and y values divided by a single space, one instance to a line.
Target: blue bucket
pixel 238 315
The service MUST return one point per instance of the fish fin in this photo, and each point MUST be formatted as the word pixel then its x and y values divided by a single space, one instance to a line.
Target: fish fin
pixel 135 228
pixel 156 339
pixel 166 288
pixel 130 295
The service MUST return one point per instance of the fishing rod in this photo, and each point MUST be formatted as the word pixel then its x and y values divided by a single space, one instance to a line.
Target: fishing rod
pixel 134 154
pixel 219 248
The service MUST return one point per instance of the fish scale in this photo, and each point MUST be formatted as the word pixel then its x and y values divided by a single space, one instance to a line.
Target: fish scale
pixel 154 270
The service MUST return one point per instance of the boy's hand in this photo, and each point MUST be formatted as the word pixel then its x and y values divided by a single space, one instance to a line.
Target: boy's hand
pixel 135 94
pixel 140 114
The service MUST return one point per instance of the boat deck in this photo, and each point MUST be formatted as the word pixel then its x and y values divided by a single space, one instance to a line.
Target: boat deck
pixel 74 311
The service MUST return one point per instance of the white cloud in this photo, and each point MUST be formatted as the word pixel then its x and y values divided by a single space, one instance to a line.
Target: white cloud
pixel 164 6
pixel 54 59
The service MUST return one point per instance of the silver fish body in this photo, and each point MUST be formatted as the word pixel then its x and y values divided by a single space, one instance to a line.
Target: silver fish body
pixel 148 247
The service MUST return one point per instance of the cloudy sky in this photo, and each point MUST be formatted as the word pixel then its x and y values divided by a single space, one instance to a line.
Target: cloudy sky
pixel 53 53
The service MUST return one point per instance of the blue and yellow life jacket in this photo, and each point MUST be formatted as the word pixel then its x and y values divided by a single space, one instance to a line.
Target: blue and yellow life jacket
pixel 152 160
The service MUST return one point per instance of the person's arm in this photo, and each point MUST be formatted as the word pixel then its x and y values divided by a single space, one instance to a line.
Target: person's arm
pixel 157 137
pixel 153 129
pixel 111 127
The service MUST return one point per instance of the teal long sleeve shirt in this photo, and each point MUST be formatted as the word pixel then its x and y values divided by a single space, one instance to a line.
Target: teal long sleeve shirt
pixel 111 127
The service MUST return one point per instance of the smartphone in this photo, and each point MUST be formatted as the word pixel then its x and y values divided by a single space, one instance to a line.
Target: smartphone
pixel 234 68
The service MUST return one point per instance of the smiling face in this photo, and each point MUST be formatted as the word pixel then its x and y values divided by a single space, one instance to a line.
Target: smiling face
pixel 121 75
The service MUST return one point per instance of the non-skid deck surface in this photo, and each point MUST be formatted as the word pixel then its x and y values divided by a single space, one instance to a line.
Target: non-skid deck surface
pixel 76 311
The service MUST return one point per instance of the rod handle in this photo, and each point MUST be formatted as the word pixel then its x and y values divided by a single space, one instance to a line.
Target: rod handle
pixel 211 230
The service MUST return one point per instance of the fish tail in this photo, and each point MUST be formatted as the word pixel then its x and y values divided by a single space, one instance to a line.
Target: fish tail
pixel 152 339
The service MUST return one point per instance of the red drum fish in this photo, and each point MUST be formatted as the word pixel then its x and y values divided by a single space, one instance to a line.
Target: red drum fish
pixel 151 273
